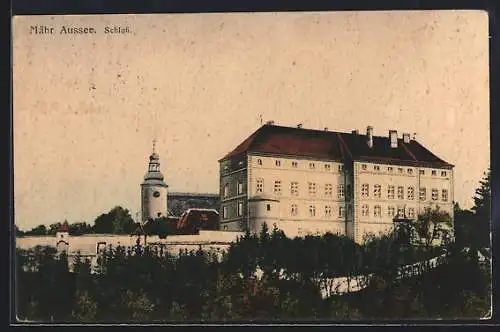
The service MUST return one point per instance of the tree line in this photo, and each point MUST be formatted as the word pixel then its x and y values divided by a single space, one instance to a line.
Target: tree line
pixel 117 221
pixel 149 284
pixel 153 285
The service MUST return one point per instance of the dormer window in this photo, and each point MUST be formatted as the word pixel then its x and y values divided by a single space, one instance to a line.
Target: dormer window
pixel 363 166
pixel 259 162
pixel 433 172
pixel 327 167
pixel 443 173
pixel 376 168
pixel 295 164
pixel 312 166
pixel 278 163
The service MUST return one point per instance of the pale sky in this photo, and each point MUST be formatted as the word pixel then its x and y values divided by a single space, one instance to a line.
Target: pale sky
pixel 86 107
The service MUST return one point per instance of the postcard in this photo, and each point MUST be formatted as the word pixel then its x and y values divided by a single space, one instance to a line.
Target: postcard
pixel 280 167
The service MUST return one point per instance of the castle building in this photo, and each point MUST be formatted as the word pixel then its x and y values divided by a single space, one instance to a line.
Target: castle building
pixel 316 181
pixel 153 191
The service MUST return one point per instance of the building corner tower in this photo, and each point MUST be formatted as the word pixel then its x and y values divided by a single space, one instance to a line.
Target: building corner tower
pixel 153 191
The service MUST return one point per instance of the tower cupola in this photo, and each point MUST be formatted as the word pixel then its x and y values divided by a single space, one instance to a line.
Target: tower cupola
pixel 153 190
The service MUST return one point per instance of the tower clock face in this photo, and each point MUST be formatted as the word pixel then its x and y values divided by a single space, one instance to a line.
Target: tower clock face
pixel 156 194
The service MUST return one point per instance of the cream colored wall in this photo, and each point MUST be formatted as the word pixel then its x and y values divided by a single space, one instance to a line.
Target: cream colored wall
pixel 153 205
pixel 302 223
pixel 376 225
pixel 87 244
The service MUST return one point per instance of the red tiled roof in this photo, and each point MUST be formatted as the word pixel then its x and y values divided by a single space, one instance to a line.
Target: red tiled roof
pixel 196 219
pixel 279 140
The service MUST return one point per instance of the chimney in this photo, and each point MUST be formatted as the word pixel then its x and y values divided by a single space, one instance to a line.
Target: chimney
pixel 393 136
pixel 406 138
pixel 299 125
pixel 355 131
pixel 369 136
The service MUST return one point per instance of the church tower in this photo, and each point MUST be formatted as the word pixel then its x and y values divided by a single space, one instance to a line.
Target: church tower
pixel 153 190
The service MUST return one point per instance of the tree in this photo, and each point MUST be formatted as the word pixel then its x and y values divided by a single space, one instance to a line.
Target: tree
pixel 79 228
pixel 482 211
pixel 38 230
pixel 53 228
pixel 117 221
pixel 464 226
pixel 433 226
pixel 85 307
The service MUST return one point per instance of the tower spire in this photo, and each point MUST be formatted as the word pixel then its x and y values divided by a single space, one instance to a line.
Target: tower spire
pixel 154 145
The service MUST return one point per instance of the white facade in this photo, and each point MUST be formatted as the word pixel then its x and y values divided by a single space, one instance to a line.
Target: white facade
pixel 304 196
pixel 347 196
pixel 153 191
pixel 397 191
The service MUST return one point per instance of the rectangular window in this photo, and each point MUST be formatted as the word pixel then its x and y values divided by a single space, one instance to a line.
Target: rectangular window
pixel 365 210
pixel 294 188
pixel 422 172
pixel 401 194
pixel 434 194
pixel 340 168
pixel 444 195
pixel 312 166
pixel 443 173
pixel 277 187
pixel 349 211
pixel 328 211
pixel 364 190
pixel 348 191
pixel 295 164
pixel 240 209
pixel 410 171
pixel 260 185
pixel 328 189
pixel 376 168
pixel 391 211
pixel 226 190
pixel 240 188
pixel 312 210
pixel 340 191
pixel 433 172
pixel 377 190
pixel 390 169
pixel 411 213
pixel 224 212
pixel 401 211
pixel 422 194
pixel 400 170
pixel 327 167
pixel 259 162
pixel 312 188
pixel 390 192
pixel 363 166
pixel 341 212
pixel 268 207
pixel 278 163
pixel 294 210
pixel 410 193
pixel 377 211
